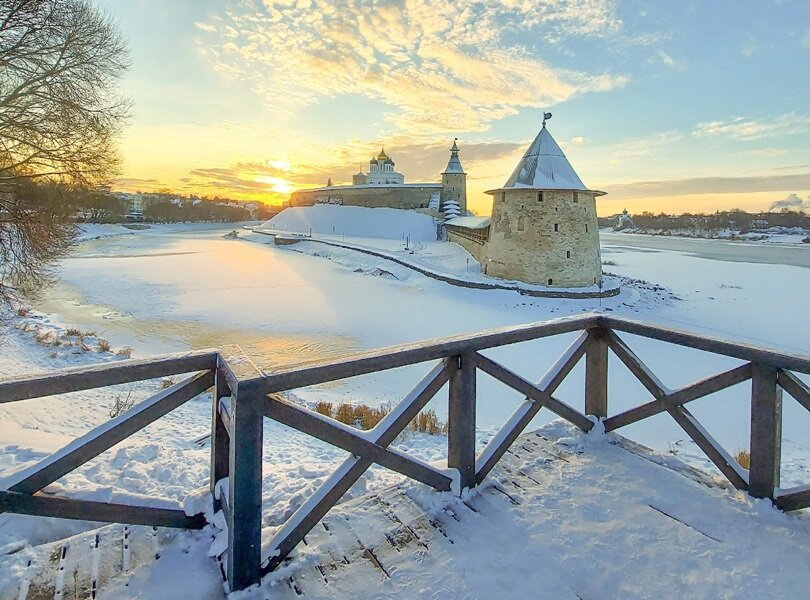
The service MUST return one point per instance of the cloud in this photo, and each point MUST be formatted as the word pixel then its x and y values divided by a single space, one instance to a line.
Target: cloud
pixel 792 202
pixel 133 183
pixel 440 65
pixel 740 128
pixel 709 185
pixel 669 61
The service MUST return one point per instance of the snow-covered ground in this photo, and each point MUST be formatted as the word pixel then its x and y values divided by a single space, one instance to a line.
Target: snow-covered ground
pixel 184 287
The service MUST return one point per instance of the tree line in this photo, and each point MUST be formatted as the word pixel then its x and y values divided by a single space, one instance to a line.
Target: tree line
pixel 735 219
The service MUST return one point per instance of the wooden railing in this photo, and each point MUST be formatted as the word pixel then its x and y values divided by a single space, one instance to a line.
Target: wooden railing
pixel 243 395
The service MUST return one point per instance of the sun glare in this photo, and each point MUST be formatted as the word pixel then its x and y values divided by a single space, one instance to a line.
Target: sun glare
pixel 282 186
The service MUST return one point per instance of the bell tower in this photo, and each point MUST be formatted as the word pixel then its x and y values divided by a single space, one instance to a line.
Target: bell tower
pixel 454 181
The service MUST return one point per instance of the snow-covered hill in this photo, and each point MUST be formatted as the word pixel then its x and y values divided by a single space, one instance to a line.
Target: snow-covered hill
pixel 354 221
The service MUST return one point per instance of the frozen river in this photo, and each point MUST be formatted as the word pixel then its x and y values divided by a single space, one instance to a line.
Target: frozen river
pixel 162 292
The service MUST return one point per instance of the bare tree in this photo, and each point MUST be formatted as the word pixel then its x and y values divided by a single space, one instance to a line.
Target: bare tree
pixel 60 115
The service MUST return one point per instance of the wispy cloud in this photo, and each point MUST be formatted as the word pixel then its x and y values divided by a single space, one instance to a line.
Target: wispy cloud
pixel 441 65
pixel 668 60
pixel 710 185
pixel 740 128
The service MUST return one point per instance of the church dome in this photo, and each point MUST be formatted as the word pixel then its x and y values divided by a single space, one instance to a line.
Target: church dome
pixel 373 161
pixel 382 155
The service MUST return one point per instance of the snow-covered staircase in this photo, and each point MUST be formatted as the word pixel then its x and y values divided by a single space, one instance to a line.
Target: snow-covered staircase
pixel 81 566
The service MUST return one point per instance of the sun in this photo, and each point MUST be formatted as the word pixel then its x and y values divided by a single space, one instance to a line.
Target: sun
pixel 281 186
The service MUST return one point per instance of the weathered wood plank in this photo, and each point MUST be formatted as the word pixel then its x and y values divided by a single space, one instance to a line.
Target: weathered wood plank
pixel 107 435
pixel 693 391
pixel 793 499
pixel 317 505
pixel 766 432
pixel 634 364
pixel 90 510
pixel 748 352
pixel 596 373
pixel 461 417
pixel 297 376
pixel 345 437
pixel 245 488
pixel 220 436
pixel 532 392
pixel 88 377
pixel 714 451
pixel 794 386
pixel 237 368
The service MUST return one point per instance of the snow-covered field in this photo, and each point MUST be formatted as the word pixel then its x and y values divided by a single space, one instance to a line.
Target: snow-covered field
pixel 771 235
pixel 170 289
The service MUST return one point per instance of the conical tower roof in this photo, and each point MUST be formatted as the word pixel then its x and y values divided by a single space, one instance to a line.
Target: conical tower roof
pixel 544 167
pixel 454 164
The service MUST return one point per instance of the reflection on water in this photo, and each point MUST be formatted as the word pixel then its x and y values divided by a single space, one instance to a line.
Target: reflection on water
pixel 267 349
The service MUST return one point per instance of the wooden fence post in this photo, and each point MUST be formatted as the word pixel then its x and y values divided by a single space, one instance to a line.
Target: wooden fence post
pixel 596 373
pixel 461 418
pixel 245 489
pixel 219 437
pixel 766 432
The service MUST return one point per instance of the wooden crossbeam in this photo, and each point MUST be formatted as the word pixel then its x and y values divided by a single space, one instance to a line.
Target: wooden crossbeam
pixel 532 392
pixel 332 490
pixel 91 510
pixel 95 376
pixel 681 396
pixel 634 364
pixel 793 498
pixel 107 435
pixel 713 450
pixel 795 387
pixel 523 415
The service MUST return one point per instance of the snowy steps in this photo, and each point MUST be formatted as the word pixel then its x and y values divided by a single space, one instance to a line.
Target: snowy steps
pixel 382 535
pixel 388 534
pixel 81 566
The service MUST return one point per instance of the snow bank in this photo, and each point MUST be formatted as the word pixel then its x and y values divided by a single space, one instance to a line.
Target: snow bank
pixel 354 221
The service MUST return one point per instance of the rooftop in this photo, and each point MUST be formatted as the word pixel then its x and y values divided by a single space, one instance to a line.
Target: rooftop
pixel 544 166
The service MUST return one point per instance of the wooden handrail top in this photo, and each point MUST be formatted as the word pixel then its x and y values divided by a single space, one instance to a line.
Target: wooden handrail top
pixel 290 377
pixel 73 379
pixel 713 344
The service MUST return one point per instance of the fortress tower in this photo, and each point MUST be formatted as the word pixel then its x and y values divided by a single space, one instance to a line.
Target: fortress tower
pixel 454 181
pixel 543 228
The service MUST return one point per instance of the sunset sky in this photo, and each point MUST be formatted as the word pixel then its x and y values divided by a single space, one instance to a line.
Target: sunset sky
pixel 667 106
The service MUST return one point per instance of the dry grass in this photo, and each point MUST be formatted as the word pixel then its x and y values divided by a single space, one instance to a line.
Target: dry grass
pixel 89 334
pixel 23 311
pixel 166 383
pixel 104 345
pixel 73 332
pixel 121 404
pixel 367 417
pixel 744 458
pixel 609 263
pixel 126 352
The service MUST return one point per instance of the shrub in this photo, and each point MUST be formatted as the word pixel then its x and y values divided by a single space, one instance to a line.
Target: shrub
pixel 428 422
pixel 744 458
pixel 73 332
pixel 104 345
pixel 22 311
pixel 126 352
pixel 367 417
pixel 121 404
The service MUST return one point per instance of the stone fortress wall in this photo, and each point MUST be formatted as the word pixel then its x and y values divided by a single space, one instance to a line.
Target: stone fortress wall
pixel 406 196
pixel 549 237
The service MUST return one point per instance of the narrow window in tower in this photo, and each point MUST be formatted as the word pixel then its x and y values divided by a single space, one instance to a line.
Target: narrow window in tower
pixel 586 228
pixel 539 196
pixel 576 198
pixel 567 254
pixel 556 226
pixel 550 281
pixel 521 223
pixel 503 196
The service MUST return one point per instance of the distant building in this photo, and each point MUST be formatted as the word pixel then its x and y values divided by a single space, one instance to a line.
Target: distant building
pixel 384 186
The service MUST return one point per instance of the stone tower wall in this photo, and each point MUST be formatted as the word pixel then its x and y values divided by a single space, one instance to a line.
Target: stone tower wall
pixel 524 245
pixel 454 187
